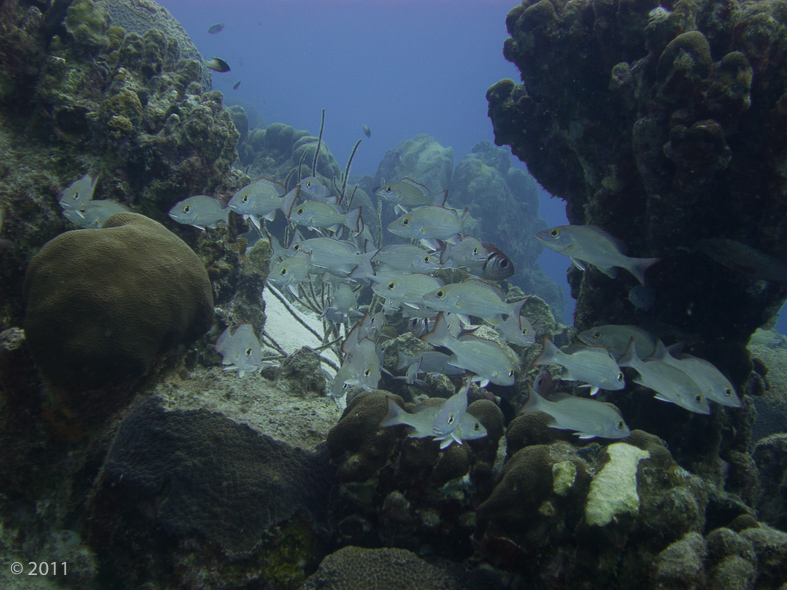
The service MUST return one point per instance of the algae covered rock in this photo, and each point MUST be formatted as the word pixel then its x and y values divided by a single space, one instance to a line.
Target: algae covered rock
pixel 207 491
pixel 103 304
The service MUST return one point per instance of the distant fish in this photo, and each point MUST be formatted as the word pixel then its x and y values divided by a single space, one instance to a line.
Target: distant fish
pixel 588 418
pixel 94 214
pixel 290 272
pixel 544 384
pixel 592 245
pixel 589 365
pixel 240 350
pixel 217 28
pixel 670 383
pixel 366 131
pixel 236 85
pixel 217 64
pixel 342 304
pixel 407 258
pixel 407 289
pixel 642 297
pixel 366 363
pixel 78 193
pixel 517 330
pixel 337 257
pixel 481 259
pixel 320 215
pixel 200 211
pixel 615 338
pixel 744 259
pixel 430 362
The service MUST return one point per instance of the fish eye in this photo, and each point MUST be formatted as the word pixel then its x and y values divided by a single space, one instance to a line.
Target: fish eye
pixel 299 211
pixel 698 398
pixel 76 196
pixel 440 294
pixel 248 351
pixel 555 233
pixel 619 425
pixel 511 373
pixel 597 334
pixel 477 426
pixel 504 263
pixel 389 189
pixel 426 259
pixel 619 378
pixel 186 209
pixel 245 199
pixel 391 286
pixel 283 271
pixel 727 392
pixel 309 183
pixel 475 251
pixel 367 372
pixel 406 221
pixel 450 419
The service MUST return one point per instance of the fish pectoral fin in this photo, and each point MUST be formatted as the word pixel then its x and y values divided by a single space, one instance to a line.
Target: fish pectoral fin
pixel 584 435
pixel 255 220
pixel 445 442
pixel 610 271
pixel 594 390
pixel 270 216
pixel 660 397
pixel 578 264
pixel 293 289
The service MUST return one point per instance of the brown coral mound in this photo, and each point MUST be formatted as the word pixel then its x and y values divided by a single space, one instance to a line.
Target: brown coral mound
pixel 102 304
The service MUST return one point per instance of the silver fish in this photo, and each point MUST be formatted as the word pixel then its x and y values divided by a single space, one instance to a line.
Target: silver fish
pixel 714 385
pixel 405 289
pixel 314 189
pixel 588 418
pixel 291 272
pixel 366 365
pixel 336 256
pixel 240 350
pixel 615 338
pixel 473 297
pixel 590 365
pixel 200 211
pixel 261 198
pixel 590 244
pixel 422 421
pixel 366 131
pixel 517 330
pixel 481 259
pixel 670 383
pixel 430 222
pixel 485 358
pixel 368 327
pixel 320 215
pixel 217 28
pixel 342 304
pixel 94 214
pixel 431 362
pixel 78 193
pixel 407 258
pixel 404 194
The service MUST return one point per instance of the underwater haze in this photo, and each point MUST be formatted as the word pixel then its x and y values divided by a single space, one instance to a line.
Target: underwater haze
pixel 402 67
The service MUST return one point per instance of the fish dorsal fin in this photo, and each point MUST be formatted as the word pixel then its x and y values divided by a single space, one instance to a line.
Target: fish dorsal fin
pixel 277 186
pixel 603 233
pixel 441 198
pixel 423 188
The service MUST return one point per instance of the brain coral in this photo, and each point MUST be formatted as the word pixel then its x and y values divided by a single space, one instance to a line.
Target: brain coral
pixel 102 304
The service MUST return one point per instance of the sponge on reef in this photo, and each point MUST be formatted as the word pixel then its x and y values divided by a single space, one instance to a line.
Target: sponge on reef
pixel 103 304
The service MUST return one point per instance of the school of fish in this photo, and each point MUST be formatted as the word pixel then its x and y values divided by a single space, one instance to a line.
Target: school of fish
pixel 471 324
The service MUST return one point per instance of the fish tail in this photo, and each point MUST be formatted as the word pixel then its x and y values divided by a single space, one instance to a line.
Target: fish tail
pixel 353 220
pixel 516 308
pixel 439 333
pixel 548 355
pixel 394 415
pixel 638 266
pixel 226 215
pixel 289 200
pixel 534 401
pixel 441 198
pixel 404 361
pixel 630 358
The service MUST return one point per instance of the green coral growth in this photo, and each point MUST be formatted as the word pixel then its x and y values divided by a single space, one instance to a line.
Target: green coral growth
pixel 87 21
